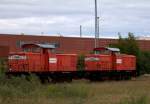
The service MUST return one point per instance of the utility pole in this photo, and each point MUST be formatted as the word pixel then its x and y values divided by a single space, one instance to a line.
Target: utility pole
pixel 80 30
pixel 97 32
pixel 95 23
pixel 98 20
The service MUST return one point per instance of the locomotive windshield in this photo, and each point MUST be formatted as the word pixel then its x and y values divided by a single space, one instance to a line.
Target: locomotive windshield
pixel 102 52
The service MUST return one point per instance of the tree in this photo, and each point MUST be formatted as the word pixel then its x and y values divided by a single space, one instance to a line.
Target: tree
pixel 130 46
pixel 127 45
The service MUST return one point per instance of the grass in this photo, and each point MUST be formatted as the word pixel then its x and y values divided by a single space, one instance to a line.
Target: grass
pixel 139 100
pixel 68 90
pixel 18 90
pixel 3 64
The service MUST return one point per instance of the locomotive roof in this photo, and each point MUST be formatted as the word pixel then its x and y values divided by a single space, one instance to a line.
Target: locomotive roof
pixel 48 46
pixel 107 48
pixel 113 49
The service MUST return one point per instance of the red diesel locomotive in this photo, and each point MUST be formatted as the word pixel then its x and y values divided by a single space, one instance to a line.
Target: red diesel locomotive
pixel 42 60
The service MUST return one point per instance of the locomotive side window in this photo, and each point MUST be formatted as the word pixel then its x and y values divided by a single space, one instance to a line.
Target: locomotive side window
pixel 27 50
pixel 117 53
pixel 36 50
pixel 105 52
pixel 51 51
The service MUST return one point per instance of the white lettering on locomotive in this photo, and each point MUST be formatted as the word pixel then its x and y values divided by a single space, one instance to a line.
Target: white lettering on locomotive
pixel 53 60
pixel 17 57
pixel 119 61
pixel 92 59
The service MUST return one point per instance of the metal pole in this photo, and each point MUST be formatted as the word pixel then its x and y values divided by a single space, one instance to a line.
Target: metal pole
pixel 98 20
pixel 80 30
pixel 95 23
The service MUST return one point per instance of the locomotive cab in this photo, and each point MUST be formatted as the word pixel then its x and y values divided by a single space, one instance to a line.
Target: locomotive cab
pixel 34 58
pixel 38 48
pixel 107 50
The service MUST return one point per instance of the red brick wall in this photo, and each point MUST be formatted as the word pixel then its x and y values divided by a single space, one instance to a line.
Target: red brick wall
pixel 4 50
pixel 67 44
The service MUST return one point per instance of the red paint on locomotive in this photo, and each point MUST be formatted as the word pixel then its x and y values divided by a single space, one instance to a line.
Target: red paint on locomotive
pixel 41 58
pixel 109 59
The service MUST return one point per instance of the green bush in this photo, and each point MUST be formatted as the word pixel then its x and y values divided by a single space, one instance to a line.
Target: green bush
pixel 80 63
pixel 144 63
pixel 130 46
pixel 3 65
pixel 127 45
pixel 18 86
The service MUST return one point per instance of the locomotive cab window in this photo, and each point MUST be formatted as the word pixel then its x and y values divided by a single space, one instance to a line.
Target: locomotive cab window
pixel 34 50
pixel 27 50
pixel 117 53
pixel 105 52
pixel 51 50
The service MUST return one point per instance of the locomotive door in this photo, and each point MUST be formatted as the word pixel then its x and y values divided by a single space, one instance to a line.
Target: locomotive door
pixel 117 61
pixel 114 57
pixel 52 61
pixel 46 59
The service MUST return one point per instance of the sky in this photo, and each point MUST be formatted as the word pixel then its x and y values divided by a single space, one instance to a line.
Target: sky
pixel 64 17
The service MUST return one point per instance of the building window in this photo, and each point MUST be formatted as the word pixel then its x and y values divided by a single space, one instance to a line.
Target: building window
pixel 18 44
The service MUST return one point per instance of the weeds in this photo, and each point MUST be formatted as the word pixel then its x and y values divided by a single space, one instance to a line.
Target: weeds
pixel 20 88
pixel 3 65
pixel 68 90
pixel 138 100
pixel 80 63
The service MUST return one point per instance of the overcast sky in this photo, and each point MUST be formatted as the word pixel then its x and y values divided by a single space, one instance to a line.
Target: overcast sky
pixel 65 16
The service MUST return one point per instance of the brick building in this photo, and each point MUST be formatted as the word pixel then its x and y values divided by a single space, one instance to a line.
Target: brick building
pixel 65 44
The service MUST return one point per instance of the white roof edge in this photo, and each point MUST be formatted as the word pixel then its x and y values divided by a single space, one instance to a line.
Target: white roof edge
pixel 50 46
pixel 113 49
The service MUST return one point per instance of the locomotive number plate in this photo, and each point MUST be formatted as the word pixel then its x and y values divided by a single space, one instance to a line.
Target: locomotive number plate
pixel 53 60
pixel 92 59
pixel 119 61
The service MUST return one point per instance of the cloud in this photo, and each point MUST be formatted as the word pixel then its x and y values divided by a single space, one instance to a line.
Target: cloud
pixel 61 16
